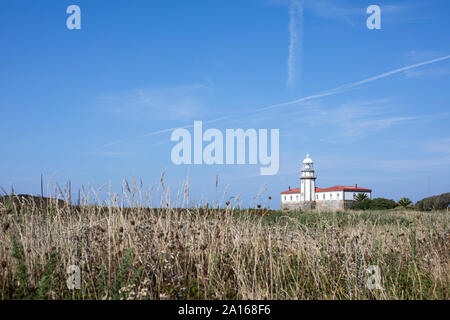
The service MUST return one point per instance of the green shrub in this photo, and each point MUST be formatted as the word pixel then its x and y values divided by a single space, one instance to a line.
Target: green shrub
pixel 374 204
pixel 362 205
pixel 46 282
pixel 439 202
pixel 123 273
pixel 405 202
pixel 21 274
pixel 382 204
pixel 359 197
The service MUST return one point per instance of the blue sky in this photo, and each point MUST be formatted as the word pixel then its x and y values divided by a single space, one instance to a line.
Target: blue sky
pixel 87 105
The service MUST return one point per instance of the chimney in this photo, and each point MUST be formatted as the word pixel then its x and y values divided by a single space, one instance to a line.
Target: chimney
pixel 289 188
pixel 356 186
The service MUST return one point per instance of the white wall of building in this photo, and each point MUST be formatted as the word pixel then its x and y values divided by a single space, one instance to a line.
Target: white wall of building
pixel 289 198
pixel 323 196
pixel 329 195
pixel 350 195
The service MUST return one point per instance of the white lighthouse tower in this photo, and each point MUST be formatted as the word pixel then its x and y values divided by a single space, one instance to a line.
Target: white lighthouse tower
pixel 307 180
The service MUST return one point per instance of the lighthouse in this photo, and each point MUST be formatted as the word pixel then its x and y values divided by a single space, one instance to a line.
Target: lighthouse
pixel 307 180
pixel 310 197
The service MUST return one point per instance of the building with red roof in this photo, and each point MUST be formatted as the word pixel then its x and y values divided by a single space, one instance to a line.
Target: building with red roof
pixel 308 196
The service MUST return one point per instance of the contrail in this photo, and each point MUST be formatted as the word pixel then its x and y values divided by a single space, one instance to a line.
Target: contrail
pixel 295 39
pixel 337 90
pixel 390 73
pixel 352 85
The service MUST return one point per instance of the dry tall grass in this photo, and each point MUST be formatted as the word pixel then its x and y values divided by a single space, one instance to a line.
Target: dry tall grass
pixel 132 252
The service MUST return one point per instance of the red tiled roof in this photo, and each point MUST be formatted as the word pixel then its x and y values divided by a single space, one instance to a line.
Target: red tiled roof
pixel 335 188
pixel 297 190
pixel 343 188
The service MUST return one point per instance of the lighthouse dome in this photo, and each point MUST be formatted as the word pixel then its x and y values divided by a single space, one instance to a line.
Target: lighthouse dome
pixel 307 159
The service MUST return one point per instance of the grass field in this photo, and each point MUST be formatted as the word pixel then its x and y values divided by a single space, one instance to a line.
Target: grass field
pixel 132 252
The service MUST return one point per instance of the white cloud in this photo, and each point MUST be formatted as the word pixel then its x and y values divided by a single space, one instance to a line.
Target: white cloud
pixel 353 85
pixel 347 12
pixel 344 88
pixel 164 103
pixel 295 40
pixel 418 55
pixel 333 10
pixel 356 118
pixel 111 153
pixel 439 146
pixel 351 120
pixel 410 164
pixel 427 72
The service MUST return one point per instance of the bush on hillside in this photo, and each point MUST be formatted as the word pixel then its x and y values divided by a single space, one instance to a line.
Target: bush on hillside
pixel 439 202
pixel 361 205
pixel 374 204
pixel 382 204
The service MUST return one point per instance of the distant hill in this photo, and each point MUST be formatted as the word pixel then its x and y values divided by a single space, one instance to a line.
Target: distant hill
pixel 439 202
pixel 39 201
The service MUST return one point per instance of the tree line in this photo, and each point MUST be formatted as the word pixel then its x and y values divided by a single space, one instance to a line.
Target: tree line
pixel 439 202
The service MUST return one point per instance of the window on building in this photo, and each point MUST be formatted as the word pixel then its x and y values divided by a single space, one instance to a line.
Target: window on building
pixel 324 196
pixel 291 198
